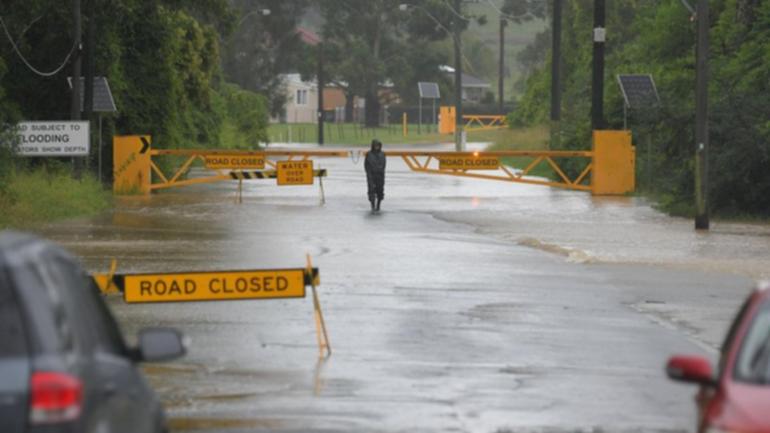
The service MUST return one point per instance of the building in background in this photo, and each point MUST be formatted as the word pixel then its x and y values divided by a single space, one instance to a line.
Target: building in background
pixel 301 100
pixel 474 88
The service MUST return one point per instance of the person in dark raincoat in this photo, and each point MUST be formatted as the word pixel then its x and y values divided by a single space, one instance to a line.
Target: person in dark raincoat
pixel 375 174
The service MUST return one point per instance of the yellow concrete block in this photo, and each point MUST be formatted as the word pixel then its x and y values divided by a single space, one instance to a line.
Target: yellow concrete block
pixel 614 163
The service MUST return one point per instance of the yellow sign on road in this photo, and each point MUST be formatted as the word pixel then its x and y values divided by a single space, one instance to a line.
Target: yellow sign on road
pixel 469 162
pixel 295 172
pixel 235 161
pixel 211 286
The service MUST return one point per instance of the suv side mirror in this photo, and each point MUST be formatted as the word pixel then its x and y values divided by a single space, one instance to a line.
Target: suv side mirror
pixel 160 344
pixel 691 369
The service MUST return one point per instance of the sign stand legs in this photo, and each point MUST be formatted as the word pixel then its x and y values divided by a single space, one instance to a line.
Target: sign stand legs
pixel 320 325
pixel 323 194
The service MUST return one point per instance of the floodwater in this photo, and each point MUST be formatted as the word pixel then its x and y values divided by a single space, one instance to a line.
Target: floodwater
pixel 465 305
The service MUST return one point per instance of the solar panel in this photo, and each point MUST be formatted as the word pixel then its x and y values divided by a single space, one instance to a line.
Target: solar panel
pixel 428 90
pixel 639 90
pixel 103 102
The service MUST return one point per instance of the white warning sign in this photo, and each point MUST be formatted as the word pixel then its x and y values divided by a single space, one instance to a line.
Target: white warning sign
pixel 53 138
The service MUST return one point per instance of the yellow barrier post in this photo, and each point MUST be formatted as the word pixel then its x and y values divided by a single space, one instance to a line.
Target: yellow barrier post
pixel 323 337
pixel 446 120
pixel 404 128
pixel 614 163
pixel 131 164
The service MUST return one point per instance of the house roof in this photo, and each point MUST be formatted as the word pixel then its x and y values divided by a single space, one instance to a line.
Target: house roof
pixel 296 80
pixel 471 81
pixel 468 80
pixel 308 36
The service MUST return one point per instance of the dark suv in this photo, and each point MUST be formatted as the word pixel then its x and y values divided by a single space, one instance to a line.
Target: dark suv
pixel 64 366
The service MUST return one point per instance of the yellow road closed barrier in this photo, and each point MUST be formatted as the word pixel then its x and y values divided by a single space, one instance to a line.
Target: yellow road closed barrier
pixel 219 286
pixel 607 169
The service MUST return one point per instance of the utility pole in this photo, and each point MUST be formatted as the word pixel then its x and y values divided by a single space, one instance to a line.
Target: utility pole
pixel 701 119
pixel 88 92
pixel 75 111
pixel 597 86
pixel 556 74
pixel 458 77
pixel 501 71
pixel 321 86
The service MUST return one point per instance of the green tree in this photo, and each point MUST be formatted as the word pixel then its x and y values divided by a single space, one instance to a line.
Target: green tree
pixel 262 47
pixel 659 38
pixel 372 42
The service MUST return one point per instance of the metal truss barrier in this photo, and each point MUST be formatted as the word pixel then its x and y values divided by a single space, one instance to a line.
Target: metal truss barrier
pixel 471 164
pixel 483 122
pixel 609 168
pixel 472 122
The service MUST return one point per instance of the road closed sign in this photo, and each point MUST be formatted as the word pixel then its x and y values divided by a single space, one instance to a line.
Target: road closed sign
pixel 235 161
pixel 53 138
pixel 295 172
pixel 214 286
pixel 469 162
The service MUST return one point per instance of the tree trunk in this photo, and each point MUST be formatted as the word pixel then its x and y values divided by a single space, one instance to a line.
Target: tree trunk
pixel 746 13
pixel 350 98
pixel 372 117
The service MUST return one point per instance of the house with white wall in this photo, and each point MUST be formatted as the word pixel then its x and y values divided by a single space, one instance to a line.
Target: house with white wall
pixel 301 101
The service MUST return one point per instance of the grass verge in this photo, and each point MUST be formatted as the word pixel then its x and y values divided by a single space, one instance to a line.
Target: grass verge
pixel 528 138
pixel 353 134
pixel 30 198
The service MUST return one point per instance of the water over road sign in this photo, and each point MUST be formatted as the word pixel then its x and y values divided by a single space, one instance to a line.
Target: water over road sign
pixel 295 172
pixel 212 286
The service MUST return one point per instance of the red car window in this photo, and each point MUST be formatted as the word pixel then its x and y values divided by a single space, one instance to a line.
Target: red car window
pixel 753 363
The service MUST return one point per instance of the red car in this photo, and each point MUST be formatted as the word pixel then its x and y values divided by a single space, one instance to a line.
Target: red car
pixel 737 398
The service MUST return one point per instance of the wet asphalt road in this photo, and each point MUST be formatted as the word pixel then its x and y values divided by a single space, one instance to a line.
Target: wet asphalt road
pixel 435 326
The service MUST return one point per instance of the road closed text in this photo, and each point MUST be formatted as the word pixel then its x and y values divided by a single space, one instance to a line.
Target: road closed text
pixel 215 286
pixel 469 163
pixel 235 162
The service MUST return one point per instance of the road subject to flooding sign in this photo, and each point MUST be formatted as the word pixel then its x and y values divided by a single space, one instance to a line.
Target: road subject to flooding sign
pixel 53 138
pixel 211 286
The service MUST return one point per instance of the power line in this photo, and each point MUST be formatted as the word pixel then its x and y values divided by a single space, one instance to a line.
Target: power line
pixel 502 14
pixel 27 63
pixel 455 11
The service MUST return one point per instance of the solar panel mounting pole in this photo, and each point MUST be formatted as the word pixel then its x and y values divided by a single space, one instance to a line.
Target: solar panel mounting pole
pixel 597 87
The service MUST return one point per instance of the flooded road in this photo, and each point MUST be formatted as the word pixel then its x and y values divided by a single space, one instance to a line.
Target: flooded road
pixel 465 305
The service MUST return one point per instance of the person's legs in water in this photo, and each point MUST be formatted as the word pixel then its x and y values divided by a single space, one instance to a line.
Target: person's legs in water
pixel 380 189
pixel 371 190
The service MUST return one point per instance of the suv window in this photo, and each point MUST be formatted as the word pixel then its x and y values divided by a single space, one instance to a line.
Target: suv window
pixel 108 333
pixel 13 342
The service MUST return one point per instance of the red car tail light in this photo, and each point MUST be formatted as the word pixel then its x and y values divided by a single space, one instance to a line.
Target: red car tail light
pixel 55 397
